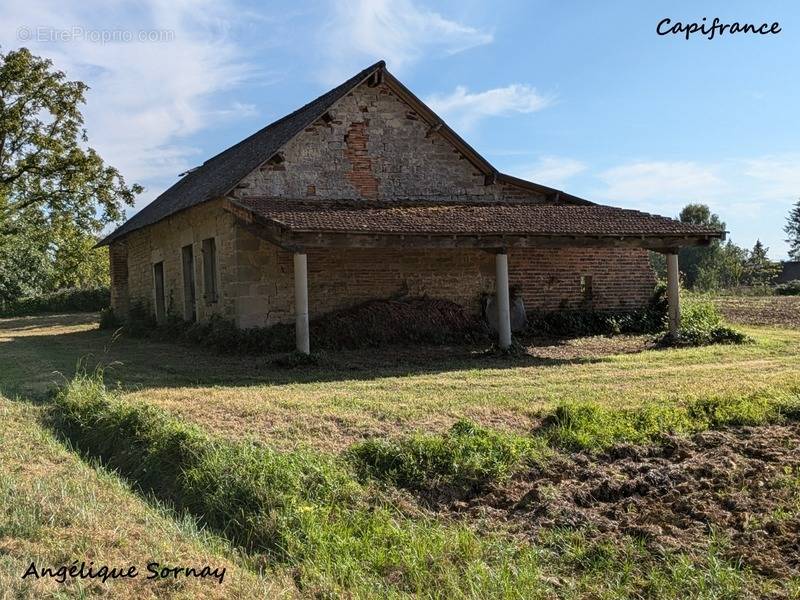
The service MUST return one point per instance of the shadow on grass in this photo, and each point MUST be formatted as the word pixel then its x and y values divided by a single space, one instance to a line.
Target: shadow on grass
pixel 35 361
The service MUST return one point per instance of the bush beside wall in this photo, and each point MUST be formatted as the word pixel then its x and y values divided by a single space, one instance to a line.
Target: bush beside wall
pixel 702 325
pixel 790 288
pixel 67 300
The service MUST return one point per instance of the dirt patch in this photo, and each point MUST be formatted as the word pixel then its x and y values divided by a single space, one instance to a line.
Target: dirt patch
pixel 743 485
pixel 537 350
pixel 761 310
pixel 587 347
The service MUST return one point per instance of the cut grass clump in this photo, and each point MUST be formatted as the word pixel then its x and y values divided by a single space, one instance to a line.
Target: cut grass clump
pixel 467 456
pixel 590 426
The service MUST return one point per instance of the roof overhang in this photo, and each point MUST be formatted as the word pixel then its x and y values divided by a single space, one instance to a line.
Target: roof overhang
pixel 297 239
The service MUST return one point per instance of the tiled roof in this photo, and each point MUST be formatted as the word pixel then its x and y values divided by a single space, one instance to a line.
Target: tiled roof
pixel 476 218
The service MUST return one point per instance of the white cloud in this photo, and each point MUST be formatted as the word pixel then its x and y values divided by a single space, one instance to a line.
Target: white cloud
pixel 144 96
pixel 752 195
pixel 779 175
pixel 671 184
pixel 463 109
pixel 399 31
pixel 554 171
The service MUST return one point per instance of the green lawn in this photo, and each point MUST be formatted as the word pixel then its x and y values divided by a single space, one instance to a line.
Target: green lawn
pixel 358 394
pixel 384 539
pixel 54 508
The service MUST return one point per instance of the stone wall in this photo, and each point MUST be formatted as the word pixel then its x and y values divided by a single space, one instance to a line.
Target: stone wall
pixel 256 280
pixel 370 146
pixel 374 146
pixel 164 242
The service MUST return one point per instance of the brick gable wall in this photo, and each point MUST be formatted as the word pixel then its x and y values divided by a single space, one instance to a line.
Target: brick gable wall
pixel 374 146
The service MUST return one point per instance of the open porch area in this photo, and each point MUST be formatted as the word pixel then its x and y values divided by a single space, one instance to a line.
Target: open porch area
pixel 501 231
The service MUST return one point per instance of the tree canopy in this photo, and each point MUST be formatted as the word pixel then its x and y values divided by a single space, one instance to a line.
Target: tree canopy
pixel 56 192
pixel 47 171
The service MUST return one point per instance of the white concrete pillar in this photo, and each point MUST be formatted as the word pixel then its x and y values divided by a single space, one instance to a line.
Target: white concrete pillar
pixel 301 303
pixel 673 294
pixel 503 305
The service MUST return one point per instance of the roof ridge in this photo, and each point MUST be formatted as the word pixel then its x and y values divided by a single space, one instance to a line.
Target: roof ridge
pixel 380 64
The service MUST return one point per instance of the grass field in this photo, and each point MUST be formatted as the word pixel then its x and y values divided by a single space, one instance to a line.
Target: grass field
pixel 358 394
pixel 526 525
pixel 56 508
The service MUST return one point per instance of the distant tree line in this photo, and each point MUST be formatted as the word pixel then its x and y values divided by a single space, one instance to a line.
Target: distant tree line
pixel 724 265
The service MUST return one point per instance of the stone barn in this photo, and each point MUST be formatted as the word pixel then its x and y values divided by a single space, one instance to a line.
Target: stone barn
pixel 365 193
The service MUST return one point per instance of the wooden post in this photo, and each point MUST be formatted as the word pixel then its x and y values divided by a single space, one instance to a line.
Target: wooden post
pixel 503 305
pixel 301 303
pixel 673 294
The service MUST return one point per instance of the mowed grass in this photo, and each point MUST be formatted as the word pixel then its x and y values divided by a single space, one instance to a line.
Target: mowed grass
pixel 376 541
pixel 55 508
pixel 344 537
pixel 353 395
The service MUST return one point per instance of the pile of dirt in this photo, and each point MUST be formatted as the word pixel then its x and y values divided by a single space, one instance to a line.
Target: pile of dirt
pixel 378 322
pixel 741 483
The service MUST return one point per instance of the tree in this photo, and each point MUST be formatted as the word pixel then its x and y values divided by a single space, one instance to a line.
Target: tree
pixel 25 267
pixel 721 268
pixel 56 193
pixel 46 169
pixel 692 257
pixel 75 260
pixel 793 230
pixel 759 270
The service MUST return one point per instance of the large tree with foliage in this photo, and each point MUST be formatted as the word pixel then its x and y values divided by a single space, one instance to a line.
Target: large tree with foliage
pixel 53 186
pixel 46 168
pixel 793 230
pixel 692 257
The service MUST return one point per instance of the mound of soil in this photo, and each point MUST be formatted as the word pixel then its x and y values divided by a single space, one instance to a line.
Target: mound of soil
pixel 379 322
pixel 741 483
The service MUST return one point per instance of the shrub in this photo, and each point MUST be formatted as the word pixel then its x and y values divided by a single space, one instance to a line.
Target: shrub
pixel 702 325
pixel 562 323
pixel 467 456
pixel 790 288
pixel 66 300
pixel 109 320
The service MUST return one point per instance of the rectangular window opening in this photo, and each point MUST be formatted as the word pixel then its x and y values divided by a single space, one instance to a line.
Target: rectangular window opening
pixel 189 304
pixel 158 281
pixel 586 288
pixel 209 270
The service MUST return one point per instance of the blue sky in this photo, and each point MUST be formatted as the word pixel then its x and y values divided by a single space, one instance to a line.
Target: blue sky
pixel 581 95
